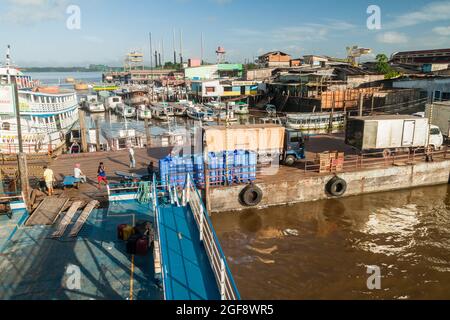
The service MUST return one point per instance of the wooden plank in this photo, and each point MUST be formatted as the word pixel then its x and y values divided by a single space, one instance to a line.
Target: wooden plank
pixel 83 218
pixel 47 212
pixel 65 221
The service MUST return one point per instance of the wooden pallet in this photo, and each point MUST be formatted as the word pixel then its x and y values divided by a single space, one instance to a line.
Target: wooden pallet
pixel 66 220
pixel 47 212
pixel 83 218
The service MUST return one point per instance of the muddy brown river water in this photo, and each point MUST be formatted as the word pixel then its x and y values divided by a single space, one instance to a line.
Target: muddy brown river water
pixel 322 250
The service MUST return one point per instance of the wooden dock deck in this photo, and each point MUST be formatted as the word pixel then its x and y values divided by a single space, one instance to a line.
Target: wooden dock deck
pixel 113 161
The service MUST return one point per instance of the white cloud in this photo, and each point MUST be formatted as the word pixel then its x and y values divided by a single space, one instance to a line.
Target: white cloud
pixel 442 31
pixel 303 32
pixel 432 12
pixel 33 11
pixel 392 37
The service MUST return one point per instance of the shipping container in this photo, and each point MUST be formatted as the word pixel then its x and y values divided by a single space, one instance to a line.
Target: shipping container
pixel 391 132
pixel 440 116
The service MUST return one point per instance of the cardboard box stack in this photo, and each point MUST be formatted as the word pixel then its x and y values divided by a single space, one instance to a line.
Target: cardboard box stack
pixel 331 162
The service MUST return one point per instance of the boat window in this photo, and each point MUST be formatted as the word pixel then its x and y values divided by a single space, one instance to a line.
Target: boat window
pixel 6 126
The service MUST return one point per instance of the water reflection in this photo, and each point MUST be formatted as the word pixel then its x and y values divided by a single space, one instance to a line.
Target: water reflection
pixel 321 250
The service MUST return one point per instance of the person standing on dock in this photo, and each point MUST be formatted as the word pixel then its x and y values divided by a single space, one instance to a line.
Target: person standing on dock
pixel 78 174
pixel 49 178
pixel 132 158
pixel 101 175
pixel 151 169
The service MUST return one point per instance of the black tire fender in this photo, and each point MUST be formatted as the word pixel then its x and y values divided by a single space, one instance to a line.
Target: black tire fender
pixel 251 196
pixel 336 187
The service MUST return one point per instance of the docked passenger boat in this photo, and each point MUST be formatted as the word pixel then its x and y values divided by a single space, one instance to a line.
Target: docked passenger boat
pixel 135 97
pixel 125 111
pixel 200 113
pixel 315 121
pixel 46 114
pixel 163 112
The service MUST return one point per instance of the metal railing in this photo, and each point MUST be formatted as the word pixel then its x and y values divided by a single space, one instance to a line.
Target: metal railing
pixel 157 245
pixel 381 160
pixel 217 259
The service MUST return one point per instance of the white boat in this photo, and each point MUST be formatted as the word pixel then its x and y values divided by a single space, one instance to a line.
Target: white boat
pixel 241 108
pixel 96 107
pixel 112 102
pixel 314 121
pixel 200 113
pixel 125 111
pixel 214 105
pixel 226 115
pixel 163 112
pixel 46 113
pixel 144 113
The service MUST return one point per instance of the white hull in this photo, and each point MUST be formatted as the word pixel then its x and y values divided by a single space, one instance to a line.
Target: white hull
pixel 96 108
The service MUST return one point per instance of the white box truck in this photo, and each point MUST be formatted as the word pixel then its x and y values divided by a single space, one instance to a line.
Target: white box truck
pixel 392 133
pixel 439 113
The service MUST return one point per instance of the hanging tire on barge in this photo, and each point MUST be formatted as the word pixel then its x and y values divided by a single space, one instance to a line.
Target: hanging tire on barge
pixel 336 187
pixel 251 196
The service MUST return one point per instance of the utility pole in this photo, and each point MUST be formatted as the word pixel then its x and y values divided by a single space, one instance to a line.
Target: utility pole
pixel 97 134
pixel 181 47
pixel 151 53
pixel 373 104
pixel 147 133
pixel 201 49
pixel 82 120
pixel 174 50
pixel 361 104
pixel 22 157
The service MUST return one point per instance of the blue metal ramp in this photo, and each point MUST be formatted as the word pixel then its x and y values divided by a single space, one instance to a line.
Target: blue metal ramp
pixel 188 274
pixel 193 265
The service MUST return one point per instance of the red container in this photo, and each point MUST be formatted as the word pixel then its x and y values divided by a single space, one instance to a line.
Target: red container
pixel 120 229
pixel 142 246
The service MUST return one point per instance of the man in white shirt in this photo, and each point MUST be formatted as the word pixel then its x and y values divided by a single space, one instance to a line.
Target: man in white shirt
pixel 132 159
pixel 78 174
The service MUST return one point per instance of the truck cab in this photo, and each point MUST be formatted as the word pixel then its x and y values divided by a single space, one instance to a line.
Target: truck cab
pixel 436 138
pixel 294 149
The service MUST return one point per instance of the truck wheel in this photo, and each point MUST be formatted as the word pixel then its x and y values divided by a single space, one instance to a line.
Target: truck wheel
pixel 289 161
pixel 251 196
pixel 336 187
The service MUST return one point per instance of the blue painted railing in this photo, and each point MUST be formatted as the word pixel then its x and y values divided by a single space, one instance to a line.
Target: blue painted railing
pixel 225 282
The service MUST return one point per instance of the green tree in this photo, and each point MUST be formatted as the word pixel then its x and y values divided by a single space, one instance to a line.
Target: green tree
pixel 384 67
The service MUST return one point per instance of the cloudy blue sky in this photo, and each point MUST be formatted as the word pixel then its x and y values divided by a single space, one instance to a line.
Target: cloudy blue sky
pixel 246 28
